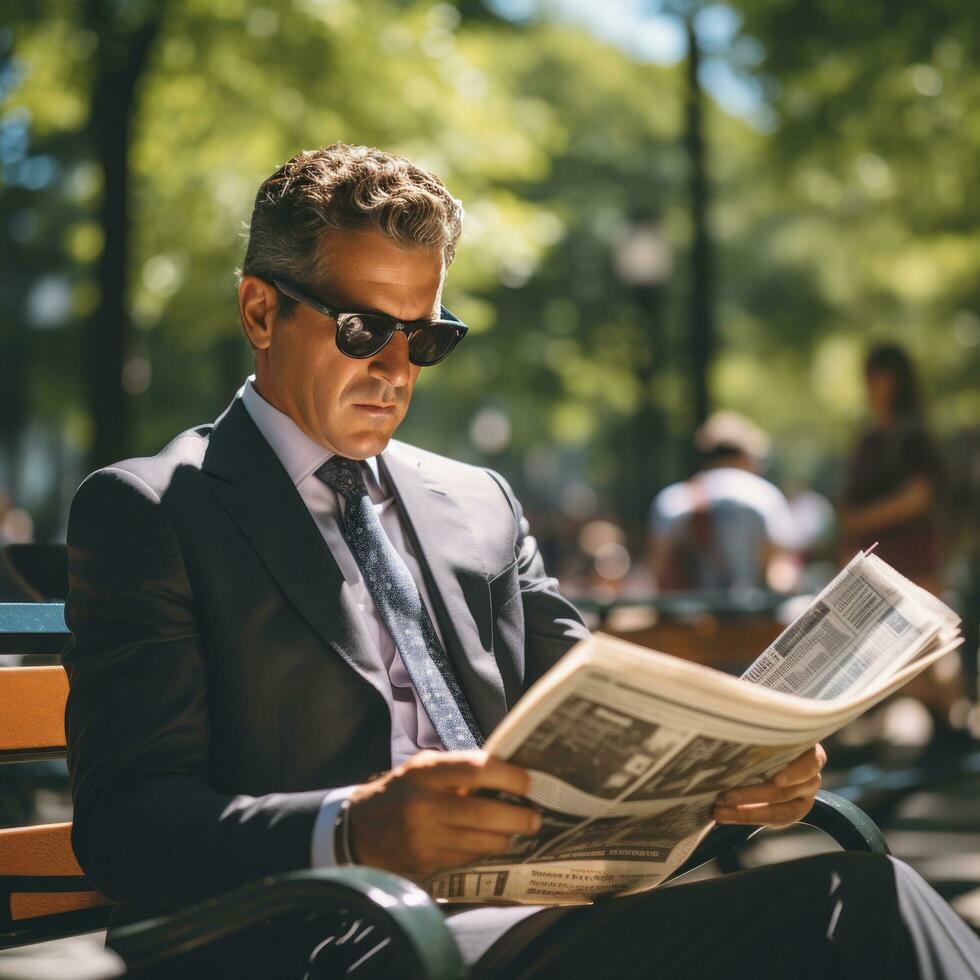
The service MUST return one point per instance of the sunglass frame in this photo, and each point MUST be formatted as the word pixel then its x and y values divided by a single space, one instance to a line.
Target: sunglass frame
pixel 446 321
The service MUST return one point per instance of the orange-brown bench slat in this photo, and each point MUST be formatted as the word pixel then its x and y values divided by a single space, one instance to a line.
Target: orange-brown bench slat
pixel 43 852
pixel 32 708
pixel 30 905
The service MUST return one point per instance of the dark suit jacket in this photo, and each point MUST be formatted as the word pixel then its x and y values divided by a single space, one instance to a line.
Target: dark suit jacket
pixel 220 683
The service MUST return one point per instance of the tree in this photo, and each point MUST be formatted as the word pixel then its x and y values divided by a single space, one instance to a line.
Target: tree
pixel 876 143
pixel 124 36
pixel 575 378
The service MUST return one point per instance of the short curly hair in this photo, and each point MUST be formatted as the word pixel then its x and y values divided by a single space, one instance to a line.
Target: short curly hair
pixel 345 188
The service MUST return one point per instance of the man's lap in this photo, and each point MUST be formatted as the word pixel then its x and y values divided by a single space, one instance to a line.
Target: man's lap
pixel 832 915
pixel 478 928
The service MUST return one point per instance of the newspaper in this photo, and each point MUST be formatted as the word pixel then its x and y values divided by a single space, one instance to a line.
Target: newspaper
pixel 628 748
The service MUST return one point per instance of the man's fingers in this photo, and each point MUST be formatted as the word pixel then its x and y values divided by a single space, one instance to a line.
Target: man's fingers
pixel 775 803
pixel 769 793
pixel 803 767
pixel 491 815
pixel 468 771
pixel 477 842
pixel 429 813
pixel 464 846
pixel 774 815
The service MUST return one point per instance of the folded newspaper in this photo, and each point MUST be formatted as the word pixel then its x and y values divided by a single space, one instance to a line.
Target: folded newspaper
pixel 628 748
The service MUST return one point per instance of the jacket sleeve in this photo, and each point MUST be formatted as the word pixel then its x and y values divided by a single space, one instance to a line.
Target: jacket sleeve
pixel 148 830
pixel 552 625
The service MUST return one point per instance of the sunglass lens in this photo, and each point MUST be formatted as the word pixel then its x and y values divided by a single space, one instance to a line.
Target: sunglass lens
pixel 361 335
pixel 429 345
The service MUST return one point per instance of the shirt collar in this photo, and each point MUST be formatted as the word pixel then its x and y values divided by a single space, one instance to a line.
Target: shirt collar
pixel 298 453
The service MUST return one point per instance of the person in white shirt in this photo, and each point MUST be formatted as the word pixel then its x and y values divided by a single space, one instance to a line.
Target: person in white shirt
pixel 727 527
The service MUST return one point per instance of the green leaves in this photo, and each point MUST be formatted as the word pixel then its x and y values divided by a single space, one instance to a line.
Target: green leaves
pixel 854 218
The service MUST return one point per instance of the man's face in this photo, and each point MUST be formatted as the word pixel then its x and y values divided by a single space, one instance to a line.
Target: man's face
pixel 347 405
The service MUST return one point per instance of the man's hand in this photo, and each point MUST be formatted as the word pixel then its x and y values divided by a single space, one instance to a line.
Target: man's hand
pixel 421 817
pixel 781 800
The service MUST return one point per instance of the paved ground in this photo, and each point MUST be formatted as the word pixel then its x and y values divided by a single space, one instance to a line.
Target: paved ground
pixel 78 958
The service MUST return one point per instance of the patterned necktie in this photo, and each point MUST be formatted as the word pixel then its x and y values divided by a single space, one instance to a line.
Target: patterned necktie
pixel 397 598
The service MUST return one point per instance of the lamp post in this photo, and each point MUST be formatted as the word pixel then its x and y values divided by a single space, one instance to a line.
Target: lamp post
pixel 643 261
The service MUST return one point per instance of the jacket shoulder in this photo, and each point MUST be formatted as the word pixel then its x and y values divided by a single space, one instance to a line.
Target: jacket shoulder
pixel 464 479
pixel 443 467
pixel 151 476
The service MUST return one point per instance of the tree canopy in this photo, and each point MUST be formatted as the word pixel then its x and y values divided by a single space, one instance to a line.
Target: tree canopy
pixel 849 216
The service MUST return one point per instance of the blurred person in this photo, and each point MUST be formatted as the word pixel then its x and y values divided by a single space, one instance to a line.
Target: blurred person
pixel 893 488
pixel 5 506
pixel 814 519
pixel 256 613
pixel 726 527
pixel 815 522
pixel 16 524
pixel 16 527
pixel 895 477
pixel 962 531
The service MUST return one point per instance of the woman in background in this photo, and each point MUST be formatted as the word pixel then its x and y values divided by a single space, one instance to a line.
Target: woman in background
pixel 895 478
pixel 892 492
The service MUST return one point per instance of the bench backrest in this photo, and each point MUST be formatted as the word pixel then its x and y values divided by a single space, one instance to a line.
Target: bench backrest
pixel 41 570
pixel 43 892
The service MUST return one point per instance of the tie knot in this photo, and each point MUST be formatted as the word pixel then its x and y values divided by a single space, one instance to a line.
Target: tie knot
pixel 344 476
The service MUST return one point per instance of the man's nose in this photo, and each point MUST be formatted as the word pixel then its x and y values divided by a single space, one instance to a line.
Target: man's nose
pixel 391 362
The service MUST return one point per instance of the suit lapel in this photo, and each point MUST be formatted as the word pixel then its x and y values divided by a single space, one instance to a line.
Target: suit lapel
pixel 257 493
pixel 458 580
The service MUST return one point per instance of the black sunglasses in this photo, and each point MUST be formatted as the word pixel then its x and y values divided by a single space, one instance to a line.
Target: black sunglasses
pixel 363 333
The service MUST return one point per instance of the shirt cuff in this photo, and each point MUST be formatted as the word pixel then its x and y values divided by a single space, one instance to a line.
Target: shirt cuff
pixel 322 852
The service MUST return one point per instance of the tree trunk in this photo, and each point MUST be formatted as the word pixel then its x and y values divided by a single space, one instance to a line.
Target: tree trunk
pixel 122 56
pixel 702 266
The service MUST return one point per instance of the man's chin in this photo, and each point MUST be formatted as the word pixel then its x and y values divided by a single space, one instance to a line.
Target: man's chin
pixel 364 445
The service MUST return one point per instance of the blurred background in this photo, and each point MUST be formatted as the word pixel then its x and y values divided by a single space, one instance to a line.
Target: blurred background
pixel 674 209
pixel 670 208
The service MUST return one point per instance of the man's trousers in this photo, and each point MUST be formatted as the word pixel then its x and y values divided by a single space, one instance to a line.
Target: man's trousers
pixel 841 915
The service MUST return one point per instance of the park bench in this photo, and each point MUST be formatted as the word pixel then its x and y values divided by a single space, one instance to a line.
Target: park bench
pixel 44 893
pixel 717 628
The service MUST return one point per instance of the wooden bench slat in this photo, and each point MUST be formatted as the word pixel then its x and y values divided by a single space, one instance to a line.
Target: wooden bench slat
pixel 28 856
pixel 32 709
pixel 41 850
pixel 30 905
pixel 713 643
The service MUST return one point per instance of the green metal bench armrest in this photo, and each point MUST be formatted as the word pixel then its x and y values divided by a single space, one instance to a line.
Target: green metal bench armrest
pixel 416 927
pixel 847 823
pixel 840 819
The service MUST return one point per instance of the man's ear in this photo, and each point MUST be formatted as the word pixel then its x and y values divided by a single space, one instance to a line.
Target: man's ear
pixel 258 304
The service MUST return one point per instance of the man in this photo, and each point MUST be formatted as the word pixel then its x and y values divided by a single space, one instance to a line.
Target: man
pixel 726 527
pixel 276 608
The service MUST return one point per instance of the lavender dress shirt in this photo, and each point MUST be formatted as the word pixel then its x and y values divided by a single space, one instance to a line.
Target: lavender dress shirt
pixel 300 456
